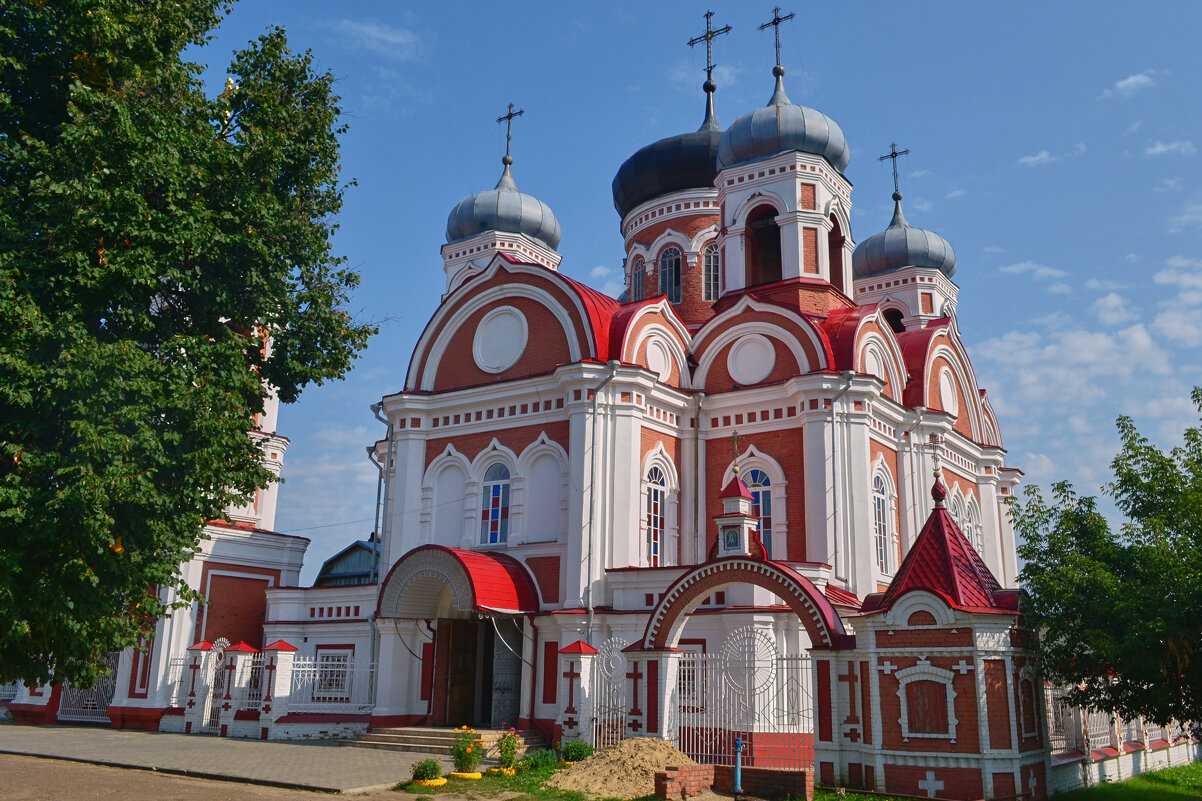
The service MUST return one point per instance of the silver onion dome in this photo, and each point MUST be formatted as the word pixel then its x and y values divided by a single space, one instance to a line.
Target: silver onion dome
pixel 780 127
pixel 504 208
pixel 902 245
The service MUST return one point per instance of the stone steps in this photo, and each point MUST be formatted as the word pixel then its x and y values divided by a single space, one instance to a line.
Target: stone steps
pixel 427 740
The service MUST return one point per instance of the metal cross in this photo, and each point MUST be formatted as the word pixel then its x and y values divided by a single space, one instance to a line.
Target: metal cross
pixel 894 154
pixel 775 22
pixel 734 438
pixel 508 120
pixel 708 37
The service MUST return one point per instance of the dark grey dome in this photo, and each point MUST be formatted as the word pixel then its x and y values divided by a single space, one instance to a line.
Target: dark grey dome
pixel 780 127
pixel 901 245
pixel 504 208
pixel 674 164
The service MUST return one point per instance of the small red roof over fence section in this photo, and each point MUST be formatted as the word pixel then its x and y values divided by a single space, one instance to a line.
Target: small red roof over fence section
pixel 579 647
pixel 943 562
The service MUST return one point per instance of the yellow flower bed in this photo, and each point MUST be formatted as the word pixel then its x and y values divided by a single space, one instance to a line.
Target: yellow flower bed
pixel 502 772
pixel 473 775
pixel 439 782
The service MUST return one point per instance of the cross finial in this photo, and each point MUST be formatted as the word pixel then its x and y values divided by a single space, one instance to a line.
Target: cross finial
pixel 734 441
pixel 894 154
pixel 508 120
pixel 708 37
pixel 775 22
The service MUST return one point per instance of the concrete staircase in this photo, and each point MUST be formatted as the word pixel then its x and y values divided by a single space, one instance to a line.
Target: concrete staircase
pixel 428 740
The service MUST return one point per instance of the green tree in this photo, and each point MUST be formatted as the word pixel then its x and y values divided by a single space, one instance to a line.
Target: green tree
pixel 152 238
pixel 1120 612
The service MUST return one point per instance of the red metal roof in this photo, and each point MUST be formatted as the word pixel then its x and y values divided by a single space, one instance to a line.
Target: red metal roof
pixel 600 309
pixel 840 329
pixel 203 645
pixel 280 645
pixel 943 562
pixel 499 582
pixel 736 489
pixel 242 647
pixel 841 597
pixel 579 647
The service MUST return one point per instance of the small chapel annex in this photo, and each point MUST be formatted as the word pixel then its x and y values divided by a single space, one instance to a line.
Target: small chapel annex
pixel 759 494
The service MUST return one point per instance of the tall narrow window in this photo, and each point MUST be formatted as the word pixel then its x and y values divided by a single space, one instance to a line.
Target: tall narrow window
pixel 713 272
pixel 669 274
pixel 657 503
pixel 637 274
pixel 972 527
pixel 761 505
pixel 834 247
pixel 880 519
pixel 494 506
pixel 763 247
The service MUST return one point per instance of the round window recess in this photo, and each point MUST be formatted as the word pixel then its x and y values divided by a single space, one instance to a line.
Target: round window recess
pixel 751 359
pixel 500 340
pixel 659 360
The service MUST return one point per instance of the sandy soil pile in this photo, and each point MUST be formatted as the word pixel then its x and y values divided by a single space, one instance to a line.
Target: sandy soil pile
pixel 626 770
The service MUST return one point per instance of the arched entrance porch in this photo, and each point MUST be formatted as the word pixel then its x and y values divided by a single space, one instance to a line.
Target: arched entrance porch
pixel 746 685
pixel 453 625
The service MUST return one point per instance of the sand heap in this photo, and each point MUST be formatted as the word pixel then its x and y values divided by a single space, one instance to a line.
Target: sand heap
pixel 625 770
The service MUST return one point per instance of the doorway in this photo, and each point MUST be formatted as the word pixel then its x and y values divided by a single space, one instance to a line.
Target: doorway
pixel 480 686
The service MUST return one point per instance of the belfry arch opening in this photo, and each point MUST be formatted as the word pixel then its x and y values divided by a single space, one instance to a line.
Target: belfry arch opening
pixel 834 242
pixel 763 246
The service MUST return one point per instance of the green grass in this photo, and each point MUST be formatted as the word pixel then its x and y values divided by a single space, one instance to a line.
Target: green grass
pixel 529 784
pixel 1173 783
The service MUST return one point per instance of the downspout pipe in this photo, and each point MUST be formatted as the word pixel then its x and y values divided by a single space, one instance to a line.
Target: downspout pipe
pixel 382 496
pixel 848 375
pixel 613 366
pixel 699 525
pixel 915 487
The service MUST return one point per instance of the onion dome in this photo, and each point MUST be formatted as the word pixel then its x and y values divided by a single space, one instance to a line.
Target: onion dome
pixel 901 245
pixel 780 127
pixel 504 208
pixel 674 164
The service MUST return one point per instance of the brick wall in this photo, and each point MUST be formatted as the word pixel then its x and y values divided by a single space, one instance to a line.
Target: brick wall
pixel 683 781
pixel 766 783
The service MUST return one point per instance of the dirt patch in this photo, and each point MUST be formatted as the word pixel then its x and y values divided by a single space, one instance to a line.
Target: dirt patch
pixel 625 770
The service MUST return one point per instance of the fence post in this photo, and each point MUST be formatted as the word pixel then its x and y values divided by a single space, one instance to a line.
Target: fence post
pixel 277 684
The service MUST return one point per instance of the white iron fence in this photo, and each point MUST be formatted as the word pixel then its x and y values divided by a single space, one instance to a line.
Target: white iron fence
pixel 8 691
pixel 78 705
pixel 1072 728
pixel 332 683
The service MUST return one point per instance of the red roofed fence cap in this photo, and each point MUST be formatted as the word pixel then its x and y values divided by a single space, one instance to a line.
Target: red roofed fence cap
pixel 242 647
pixel 579 647
pixel 203 645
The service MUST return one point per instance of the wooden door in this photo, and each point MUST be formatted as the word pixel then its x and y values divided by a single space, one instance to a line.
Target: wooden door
pixel 461 673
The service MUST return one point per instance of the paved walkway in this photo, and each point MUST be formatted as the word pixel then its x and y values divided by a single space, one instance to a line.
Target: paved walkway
pixel 309 766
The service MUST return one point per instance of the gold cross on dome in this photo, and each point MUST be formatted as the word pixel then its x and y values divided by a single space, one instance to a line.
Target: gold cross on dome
pixel 894 154
pixel 708 37
pixel 775 22
pixel 508 120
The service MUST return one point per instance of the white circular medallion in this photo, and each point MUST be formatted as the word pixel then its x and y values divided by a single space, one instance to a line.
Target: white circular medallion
pixel 751 359
pixel 659 360
pixel 500 339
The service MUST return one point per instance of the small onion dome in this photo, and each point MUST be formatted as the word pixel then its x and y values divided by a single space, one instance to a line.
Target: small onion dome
pixel 674 164
pixel 780 127
pixel 504 208
pixel 899 246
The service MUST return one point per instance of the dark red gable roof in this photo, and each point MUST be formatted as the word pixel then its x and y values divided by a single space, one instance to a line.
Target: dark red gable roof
pixel 943 562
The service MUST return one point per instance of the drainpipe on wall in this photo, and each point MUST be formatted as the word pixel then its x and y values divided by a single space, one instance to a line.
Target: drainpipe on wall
pixel 382 496
pixel 847 377
pixel 698 505
pixel 915 487
pixel 613 366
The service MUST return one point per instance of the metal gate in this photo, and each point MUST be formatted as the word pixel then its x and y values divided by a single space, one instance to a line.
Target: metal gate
pixel 216 676
pixel 91 705
pixel 747 690
pixel 609 698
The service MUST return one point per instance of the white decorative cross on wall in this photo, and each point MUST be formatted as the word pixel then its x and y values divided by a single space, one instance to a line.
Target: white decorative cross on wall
pixel 931 784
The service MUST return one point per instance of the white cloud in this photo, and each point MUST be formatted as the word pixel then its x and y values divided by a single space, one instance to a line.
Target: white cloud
pixel 1132 258
pixel 1060 288
pixel 1113 309
pixel 1042 157
pixel 1183 273
pixel 1180 324
pixel 686 76
pixel 957 193
pixel 920 173
pixel 1038 271
pixel 1130 85
pixel 1168 185
pixel 1078 149
pixel 1190 217
pixel 608 280
pixel 1133 127
pixel 400 44
pixel 1182 147
pixel 920 204
pixel 994 249
pixel 1103 284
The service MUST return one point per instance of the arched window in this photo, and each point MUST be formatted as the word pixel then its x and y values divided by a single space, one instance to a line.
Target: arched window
pixel 880 522
pixel 761 505
pixel 657 514
pixel 669 274
pixel 637 274
pixel 763 247
pixel 834 247
pixel 957 511
pixel 894 318
pixel 712 273
pixel 972 527
pixel 494 506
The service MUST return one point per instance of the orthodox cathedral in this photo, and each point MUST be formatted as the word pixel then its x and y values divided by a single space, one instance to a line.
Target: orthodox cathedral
pixel 760 493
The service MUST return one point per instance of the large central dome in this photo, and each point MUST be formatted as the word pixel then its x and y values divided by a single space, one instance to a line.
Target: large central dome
pixel 780 127
pixel 674 164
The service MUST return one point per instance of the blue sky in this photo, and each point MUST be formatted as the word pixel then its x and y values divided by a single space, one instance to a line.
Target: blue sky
pixel 1055 146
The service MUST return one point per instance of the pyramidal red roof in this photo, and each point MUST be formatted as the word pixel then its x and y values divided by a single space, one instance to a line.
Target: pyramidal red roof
pixel 943 562
pixel 736 489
